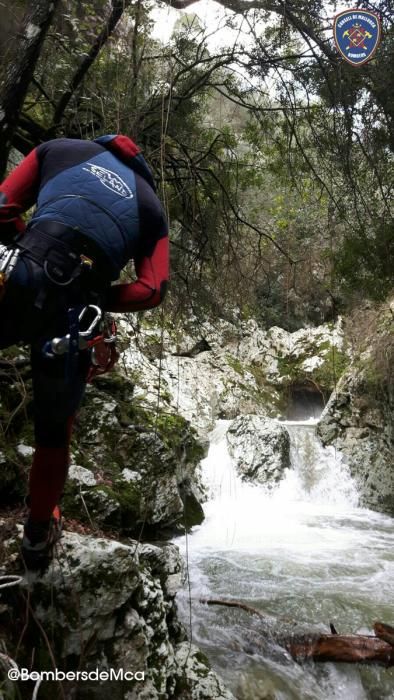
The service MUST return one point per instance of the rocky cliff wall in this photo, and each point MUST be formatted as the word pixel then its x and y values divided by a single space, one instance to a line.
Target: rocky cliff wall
pixel 359 418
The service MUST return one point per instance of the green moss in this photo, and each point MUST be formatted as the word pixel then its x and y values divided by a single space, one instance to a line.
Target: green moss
pixel 129 498
pixel 178 436
pixel 235 364
pixel 334 365
pixel 289 366
pixel 335 362
pixel 202 659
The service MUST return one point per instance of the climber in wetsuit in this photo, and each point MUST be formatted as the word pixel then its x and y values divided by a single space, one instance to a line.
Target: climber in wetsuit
pixel 96 209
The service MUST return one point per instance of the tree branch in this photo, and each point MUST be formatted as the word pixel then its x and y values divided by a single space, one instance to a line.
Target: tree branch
pixel 118 8
pixel 18 77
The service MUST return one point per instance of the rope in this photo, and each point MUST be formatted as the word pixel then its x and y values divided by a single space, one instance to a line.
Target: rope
pixel 9 661
pixel 10 580
pixel 36 689
pixel 165 115
pixel 15 666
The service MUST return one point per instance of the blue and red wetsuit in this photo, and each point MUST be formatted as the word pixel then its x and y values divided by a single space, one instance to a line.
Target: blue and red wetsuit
pixel 103 193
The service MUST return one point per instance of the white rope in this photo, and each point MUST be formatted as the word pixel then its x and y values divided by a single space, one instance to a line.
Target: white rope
pixel 36 689
pixel 10 580
pixel 9 661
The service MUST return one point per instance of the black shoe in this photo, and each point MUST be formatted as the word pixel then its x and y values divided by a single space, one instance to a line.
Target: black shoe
pixel 39 539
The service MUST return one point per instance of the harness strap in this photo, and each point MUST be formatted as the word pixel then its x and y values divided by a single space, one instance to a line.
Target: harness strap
pixel 64 252
pixel 73 347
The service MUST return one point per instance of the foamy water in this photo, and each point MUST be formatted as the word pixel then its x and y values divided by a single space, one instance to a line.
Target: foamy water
pixel 303 551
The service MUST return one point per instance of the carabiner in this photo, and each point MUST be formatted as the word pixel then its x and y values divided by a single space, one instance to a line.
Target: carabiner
pixel 95 321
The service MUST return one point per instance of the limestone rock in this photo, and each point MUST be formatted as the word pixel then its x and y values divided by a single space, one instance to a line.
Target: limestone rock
pixel 132 467
pixel 359 418
pixel 361 427
pixel 240 368
pixel 260 448
pixel 194 678
pixel 106 605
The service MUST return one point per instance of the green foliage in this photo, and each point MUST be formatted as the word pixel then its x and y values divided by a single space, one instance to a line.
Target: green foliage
pixel 274 162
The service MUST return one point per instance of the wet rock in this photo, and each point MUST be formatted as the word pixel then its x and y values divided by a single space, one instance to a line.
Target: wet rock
pixel 240 368
pixel 260 448
pixel 109 605
pixel 365 437
pixel 195 680
pixel 132 467
pixel 359 417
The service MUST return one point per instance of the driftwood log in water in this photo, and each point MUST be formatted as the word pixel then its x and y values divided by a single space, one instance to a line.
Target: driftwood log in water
pixel 344 648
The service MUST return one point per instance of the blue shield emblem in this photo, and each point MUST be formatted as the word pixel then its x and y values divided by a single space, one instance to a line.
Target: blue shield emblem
pixel 357 35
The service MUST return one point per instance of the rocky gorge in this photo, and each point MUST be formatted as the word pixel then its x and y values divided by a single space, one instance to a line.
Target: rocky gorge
pixel 135 481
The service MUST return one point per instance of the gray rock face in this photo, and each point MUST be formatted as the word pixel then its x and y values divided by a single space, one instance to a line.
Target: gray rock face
pixel 361 426
pixel 134 470
pixel 109 605
pixel 195 681
pixel 260 448
pixel 359 418
pixel 239 368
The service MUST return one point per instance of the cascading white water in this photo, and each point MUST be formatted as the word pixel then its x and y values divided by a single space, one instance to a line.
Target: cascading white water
pixel 303 551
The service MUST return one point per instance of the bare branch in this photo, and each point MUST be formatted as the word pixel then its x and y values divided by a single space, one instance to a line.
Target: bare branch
pixel 118 8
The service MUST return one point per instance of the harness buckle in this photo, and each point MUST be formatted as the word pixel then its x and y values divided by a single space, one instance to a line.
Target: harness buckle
pixel 8 260
pixel 60 346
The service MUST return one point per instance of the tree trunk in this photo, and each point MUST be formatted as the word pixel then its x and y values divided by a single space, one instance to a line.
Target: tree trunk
pixel 20 69
pixel 118 8
pixel 341 648
pixel 352 648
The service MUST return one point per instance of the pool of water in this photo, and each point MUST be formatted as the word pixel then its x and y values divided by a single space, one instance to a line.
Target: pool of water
pixel 304 553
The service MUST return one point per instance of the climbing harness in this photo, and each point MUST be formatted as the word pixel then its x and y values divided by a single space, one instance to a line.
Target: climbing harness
pixel 104 354
pixel 99 337
pixel 8 259
pixel 76 339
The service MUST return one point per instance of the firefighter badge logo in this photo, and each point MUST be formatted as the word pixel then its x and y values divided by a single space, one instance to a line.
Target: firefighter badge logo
pixel 357 35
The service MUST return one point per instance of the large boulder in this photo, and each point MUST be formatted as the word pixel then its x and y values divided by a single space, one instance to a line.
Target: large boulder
pixel 105 605
pixel 360 425
pixel 132 467
pixel 260 448
pixel 359 417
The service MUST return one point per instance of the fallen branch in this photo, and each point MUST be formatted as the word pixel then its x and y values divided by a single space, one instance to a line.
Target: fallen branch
pixel 232 604
pixel 352 648
pixel 384 632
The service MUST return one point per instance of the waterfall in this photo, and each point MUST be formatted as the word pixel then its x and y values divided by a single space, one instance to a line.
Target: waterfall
pixel 301 550
pixel 240 514
pixel 318 474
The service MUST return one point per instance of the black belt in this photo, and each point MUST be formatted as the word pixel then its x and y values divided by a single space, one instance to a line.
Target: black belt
pixel 65 254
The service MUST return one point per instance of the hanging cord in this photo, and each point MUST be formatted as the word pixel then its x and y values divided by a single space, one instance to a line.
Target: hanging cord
pixel 186 534
pixel 9 662
pixel 165 115
pixel 36 689
pixel 165 120
pixel 330 215
pixel 9 580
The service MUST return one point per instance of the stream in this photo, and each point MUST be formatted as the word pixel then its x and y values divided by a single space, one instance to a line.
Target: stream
pixel 303 551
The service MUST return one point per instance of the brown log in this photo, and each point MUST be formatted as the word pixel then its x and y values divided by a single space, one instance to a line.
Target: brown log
pixel 384 632
pixel 232 604
pixel 341 648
